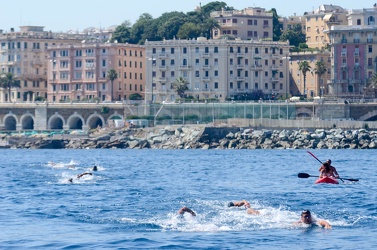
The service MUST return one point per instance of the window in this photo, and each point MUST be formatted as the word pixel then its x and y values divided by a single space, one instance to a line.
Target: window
pixel 78 64
pixel 89 63
pixel 89 75
pixel 141 65
pixel 103 63
pixel 64 75
pixel 249 22
pixel 231 49
pixel 266 86
pixel 196 50
pixel 172 62
pixel 231 61
pixel 63 64
pixel 89 52
pixel 265 34
pixel 184 50
pixel 255 22
pixel 256 85
pixel 370 49
pixel 172 74
pixel 216 85
pixel 250 33
pixel 78 75
pixel 231 85
pixel 216 73
pixel 63 53
pixel 125 75
pixel 125 63
pixel 234 20
pixel 172 51
pixel 216 61
pixel 197 62
pixel 255 33
pixel 256 51
pixel 197 73
pixel 246 73
pixel 216 50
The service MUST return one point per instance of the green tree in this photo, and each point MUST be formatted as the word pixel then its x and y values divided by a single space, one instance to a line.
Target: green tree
pixel 135 96
pixel 180 85
pixel 373 83
pixel 122 33
pixel 170 23
pixel 111 76
pixel 145 28
pixel 189 30
pixel 319 70
pixel 304 67
pixel 9 81
pixel 294 36
pixel 276 27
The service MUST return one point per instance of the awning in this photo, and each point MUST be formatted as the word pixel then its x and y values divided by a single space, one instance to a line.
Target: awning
pixel 327 17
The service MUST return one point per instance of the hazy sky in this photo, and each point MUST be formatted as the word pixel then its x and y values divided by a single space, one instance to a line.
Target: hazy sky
pixel 67 15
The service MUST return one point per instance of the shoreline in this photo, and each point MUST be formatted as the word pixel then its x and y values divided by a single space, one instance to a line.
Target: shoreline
pixel 199 137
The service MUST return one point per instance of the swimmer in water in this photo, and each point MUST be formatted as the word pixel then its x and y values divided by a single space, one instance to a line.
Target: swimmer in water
pixel 186 210
pixel 306 218
pixel 245 203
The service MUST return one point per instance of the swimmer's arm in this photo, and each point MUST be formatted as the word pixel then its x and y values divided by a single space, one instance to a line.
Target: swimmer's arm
pixel 186 209
pixel 324 224
pixel 252 211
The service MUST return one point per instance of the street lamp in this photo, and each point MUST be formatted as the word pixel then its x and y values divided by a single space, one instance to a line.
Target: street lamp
pixel 287 58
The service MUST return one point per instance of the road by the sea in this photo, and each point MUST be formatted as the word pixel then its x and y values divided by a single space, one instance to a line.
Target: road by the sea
pixel 131 202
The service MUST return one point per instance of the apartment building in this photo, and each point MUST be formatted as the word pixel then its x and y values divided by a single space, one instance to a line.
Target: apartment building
pixel 23 53
pixel 325 17
pixel 354 52
pixel 249 23
pixel 288 23
pixel 315 84
pixel 216 68
pixel 80 72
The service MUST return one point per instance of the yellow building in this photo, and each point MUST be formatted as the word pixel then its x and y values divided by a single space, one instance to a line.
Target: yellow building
pixel 320 20
pixel 315 85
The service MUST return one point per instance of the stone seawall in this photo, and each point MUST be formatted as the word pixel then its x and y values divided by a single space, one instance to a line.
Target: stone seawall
pixel 180 137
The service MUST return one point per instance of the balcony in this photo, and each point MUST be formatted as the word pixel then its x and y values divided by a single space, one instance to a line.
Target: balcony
pixel 184 67
pixel 344 41
pixel 36 63
pixel 240 54
pixel 162 55
pixel 240 78
pixel 162 67
pixel 206 55
pixel 356 40
pixel 370 40
pixel 240 66
pixel 162 79
pixel 206 66
pixel 356 54
pixel 274 79
pixel 256 67
pixel 274 67
pixel 343 54
pixel 206 78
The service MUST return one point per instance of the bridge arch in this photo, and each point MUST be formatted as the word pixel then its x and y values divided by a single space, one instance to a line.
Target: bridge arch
pixel 95 120
pixel 10 121
pixel 75 121
pixel 27 121
pixel 304 113
pixel 56 121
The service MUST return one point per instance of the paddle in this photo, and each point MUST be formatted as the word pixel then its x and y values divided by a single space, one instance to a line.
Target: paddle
pixel 305 175
pixel 320 162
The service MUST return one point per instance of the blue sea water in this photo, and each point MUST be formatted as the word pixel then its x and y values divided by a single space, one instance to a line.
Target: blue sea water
pixel 131 202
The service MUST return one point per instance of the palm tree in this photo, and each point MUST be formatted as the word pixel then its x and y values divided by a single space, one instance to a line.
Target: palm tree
pixel 304 67
pixel 320 69
pixel 8 81
pixel 111 76
pixel 180 85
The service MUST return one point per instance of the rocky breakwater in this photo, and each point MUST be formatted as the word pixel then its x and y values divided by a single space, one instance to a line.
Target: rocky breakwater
pixel 208 138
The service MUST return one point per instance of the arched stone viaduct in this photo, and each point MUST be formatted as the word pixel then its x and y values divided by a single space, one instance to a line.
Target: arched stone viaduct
pixel 83 116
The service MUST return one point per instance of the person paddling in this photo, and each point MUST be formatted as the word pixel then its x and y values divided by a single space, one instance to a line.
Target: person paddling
pixel 326 170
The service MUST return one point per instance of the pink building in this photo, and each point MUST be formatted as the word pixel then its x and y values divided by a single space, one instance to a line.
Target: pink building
pixel 79 72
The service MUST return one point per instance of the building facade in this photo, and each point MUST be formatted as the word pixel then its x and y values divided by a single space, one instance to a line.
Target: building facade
pixel 24 54
pixel 354 52
pixel 216 69
pixel 320 20
pixel 80 72
pixel 249 23
pixel 316 84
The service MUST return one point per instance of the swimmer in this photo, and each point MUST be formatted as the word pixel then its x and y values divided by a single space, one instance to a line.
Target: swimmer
pixel 94 168
pixel 186 210
pixel 306 218
pixel 81 175
pixel 245 203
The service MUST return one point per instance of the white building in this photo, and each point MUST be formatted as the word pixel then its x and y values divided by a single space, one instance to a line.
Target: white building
pixel 218 69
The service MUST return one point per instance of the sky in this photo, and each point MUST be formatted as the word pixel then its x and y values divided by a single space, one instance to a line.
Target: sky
pixel 80 14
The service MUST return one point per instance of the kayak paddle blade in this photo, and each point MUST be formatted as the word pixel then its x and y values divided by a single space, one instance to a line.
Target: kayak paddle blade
pixel 303 175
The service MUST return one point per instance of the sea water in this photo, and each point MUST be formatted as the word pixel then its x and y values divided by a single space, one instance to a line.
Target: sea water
pixel 131 202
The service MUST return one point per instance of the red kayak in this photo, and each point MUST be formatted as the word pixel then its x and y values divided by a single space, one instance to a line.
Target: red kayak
pixel 326 180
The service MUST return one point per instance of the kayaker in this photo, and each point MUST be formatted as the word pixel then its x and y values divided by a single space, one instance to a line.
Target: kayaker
pixel 325 170
pixel 243 203
pixel 306 218
pixel 186 210
pixel 333 169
